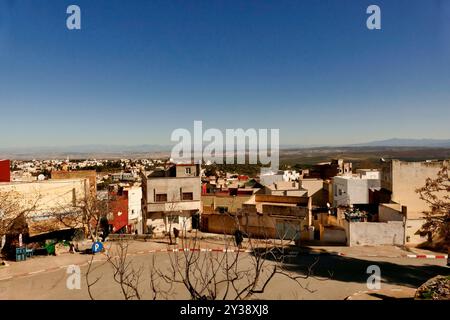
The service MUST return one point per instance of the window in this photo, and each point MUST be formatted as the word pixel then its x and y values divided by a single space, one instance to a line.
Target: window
pixel 162 197
pixel 187 196
pixel 187 170
pixel 173 219
pixel 340 192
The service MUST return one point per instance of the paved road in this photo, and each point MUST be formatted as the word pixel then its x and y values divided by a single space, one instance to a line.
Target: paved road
pixel 334 277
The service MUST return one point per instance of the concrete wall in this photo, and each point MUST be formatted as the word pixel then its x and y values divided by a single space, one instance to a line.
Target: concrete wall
pixel 315 190
pixel 390 212
pixel 162 224
pixel 304 201
pixel 91 175
pixel 219 223
pixel 394 212
pixel 403 180
pixel 212 202
pixel 375 233
pixel 49 194
pixel 411 229
pixel 49 198
pixel 334 235
pixel 293 193
pixel 258 225
pixel 352 190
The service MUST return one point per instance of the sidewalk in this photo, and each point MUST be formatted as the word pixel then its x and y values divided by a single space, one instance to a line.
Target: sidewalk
pixel 211 243
pixel 387 294
pixel 374 251
pixel 38 264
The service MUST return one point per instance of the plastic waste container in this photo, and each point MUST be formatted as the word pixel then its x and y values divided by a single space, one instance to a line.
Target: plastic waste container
pixel 21 254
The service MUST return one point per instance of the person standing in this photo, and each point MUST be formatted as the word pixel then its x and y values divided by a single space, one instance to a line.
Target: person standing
pixel 176 233
pixel 448 257
pixel 238 237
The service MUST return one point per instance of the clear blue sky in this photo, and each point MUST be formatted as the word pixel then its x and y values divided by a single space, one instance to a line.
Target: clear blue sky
pixel 139 69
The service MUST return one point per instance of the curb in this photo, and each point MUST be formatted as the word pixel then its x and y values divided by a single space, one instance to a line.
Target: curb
pixel 365 292
pixel 427 256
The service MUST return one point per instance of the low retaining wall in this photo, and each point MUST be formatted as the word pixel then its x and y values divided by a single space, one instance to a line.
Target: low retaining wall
pixel 376 233
pixel 115 237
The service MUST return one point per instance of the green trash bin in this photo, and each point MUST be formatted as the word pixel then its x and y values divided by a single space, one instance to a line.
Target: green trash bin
pixel 50 247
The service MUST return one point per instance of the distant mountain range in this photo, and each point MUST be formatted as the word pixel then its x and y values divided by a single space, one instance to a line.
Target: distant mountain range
pixel 395 142
pixel 148 150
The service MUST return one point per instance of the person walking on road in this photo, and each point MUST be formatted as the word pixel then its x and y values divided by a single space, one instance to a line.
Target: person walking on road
pixel 238 237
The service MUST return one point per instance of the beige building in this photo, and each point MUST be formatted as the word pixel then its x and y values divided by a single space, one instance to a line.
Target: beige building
pixel 171 198
pixel 316 189
pixel 258 215
pixel 277 217
pixel 91 175
pixel 285 188
pixel 401 179
pixel 219 212
pixel 53 202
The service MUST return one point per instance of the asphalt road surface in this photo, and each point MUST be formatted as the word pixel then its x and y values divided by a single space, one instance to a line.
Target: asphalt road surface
pixel 332 277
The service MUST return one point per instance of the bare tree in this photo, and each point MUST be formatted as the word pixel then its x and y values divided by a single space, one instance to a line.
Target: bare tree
pixel 231 274
pixel 124 272
pixel 15 211
pixel 169 215
pixel 86 213
pixel 436 193
pixel 90 283
pixel 14 206
pixel 128 275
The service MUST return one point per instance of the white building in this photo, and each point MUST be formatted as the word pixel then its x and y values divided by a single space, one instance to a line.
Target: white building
pixel 369 173
pixel 172 198
pixel 135 207
pixel 291 175
pixel 353 189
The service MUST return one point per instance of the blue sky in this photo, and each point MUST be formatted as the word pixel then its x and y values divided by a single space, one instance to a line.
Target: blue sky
pixel 139 69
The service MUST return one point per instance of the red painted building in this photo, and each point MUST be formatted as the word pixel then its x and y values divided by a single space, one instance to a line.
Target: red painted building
pixel 118 207
pixel 5 173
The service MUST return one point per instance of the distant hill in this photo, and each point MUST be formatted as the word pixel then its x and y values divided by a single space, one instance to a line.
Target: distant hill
pixel 395 142
pixel 87 151
pixel 152 150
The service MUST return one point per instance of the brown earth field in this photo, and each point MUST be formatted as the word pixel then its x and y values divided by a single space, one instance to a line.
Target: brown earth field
pixel 362 157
